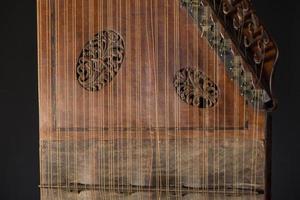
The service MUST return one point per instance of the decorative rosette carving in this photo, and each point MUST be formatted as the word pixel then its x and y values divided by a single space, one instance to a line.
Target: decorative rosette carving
pixel 196 89
pixel 100 60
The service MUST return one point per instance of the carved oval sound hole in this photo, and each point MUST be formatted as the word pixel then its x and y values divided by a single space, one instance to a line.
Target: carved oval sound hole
pixel 196 89
pixel 100 60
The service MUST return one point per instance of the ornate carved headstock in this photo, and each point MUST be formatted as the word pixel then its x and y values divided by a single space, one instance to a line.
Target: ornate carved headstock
pixel 234 30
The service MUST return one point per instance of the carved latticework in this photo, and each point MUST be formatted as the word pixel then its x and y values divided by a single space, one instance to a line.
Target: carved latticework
pixel 151 99
pixel 193 87
pixel 100 60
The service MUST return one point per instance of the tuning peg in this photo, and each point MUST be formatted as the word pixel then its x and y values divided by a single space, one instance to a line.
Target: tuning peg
pixel 257 94
pixel 246 83
pixel 237 61
pixel 206 12
pixel 225 46
pixel 247 77
pixel 236 72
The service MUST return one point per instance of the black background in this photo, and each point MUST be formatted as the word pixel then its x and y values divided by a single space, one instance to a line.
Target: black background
pixel 19 172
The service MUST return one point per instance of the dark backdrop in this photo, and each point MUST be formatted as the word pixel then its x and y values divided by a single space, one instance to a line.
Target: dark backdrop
pixel 19 170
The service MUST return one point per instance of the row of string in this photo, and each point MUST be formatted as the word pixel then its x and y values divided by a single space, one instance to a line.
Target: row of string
pixel 90 145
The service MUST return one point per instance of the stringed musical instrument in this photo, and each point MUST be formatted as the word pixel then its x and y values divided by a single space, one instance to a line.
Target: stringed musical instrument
pixel 154 99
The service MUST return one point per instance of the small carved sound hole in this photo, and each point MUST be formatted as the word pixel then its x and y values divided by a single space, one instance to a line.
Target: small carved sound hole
pixel 100 60
pixel 194 88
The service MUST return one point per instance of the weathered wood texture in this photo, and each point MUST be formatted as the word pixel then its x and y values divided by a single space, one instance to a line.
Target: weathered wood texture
pixel 191 163
pixel 56 194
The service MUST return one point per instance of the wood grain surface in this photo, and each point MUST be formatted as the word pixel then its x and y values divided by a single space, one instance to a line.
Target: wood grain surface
pixel 136 131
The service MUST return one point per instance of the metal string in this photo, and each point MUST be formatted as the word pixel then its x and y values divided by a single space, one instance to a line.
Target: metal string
pixel 205 125
pixel 151 58
pixel 51 54
pixel 244 132
pixel 110 114
pixel 39 36
pixel 98 120
pixel 128 98
pixel 214 109
pixel 48 66
pixel 167 97
pixel 92 149
pixel 159 181
pixel 49 74
pixel 74 45
pixel 188 122
pixel 202 140
pixel 58 134
pixel 83 13
pixel 256 141
pixel 66 63
pixel 252 150
pixel 102 153
pixel 120 96
pixel 218 109
pixel 224 121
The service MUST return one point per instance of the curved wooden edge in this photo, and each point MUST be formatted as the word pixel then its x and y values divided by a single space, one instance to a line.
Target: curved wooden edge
pixel 270 70
pixel 261 56
pixel 271 81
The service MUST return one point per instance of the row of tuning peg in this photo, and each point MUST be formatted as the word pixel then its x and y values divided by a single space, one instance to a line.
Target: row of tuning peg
pixel 212 30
